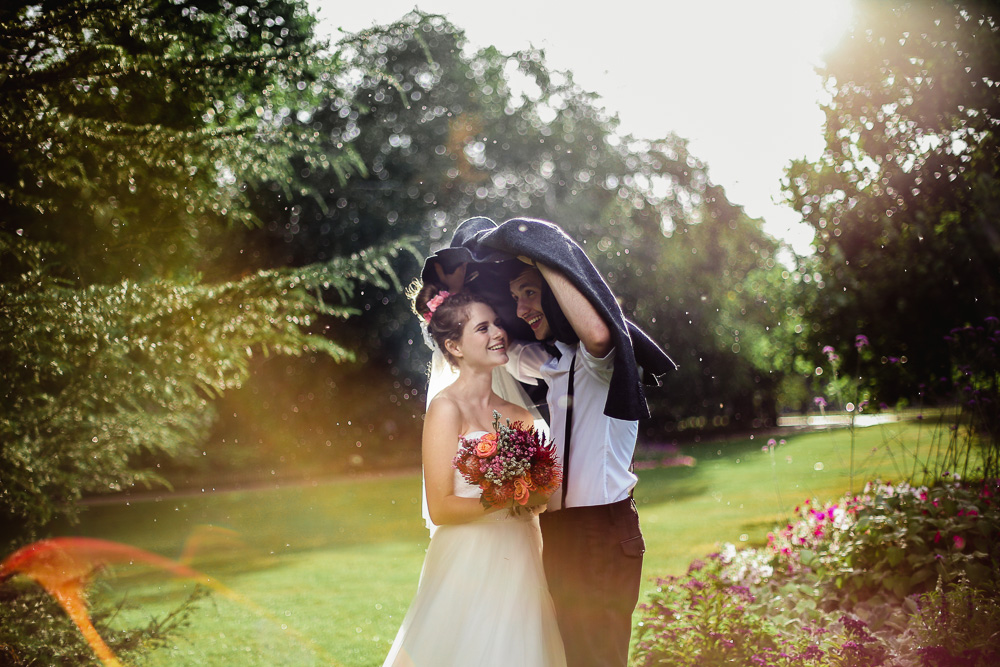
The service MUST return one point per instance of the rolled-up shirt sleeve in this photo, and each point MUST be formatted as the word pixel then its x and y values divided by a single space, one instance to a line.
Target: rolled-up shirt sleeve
pixel 602 367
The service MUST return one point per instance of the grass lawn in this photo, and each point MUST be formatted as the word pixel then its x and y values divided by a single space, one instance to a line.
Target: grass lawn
pixel 322 574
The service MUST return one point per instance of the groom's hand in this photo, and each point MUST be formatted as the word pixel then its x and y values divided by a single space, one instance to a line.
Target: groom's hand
pixel 454 281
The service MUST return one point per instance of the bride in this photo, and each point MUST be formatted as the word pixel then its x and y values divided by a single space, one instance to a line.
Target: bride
pixel 482 598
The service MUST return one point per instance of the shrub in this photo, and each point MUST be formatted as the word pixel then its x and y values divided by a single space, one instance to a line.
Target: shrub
pixel 955 626
pixel 906 538
pixel 705 618
pixel 845 583
pixel 34 629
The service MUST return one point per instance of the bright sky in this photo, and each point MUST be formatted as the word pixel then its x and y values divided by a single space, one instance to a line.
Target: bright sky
pixel 735 77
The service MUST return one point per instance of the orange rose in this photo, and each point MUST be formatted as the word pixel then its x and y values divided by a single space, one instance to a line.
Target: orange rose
pixel 522 489
pixel 487 445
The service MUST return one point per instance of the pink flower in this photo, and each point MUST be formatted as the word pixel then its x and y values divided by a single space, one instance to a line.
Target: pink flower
pixel 959 542
pixel 434 303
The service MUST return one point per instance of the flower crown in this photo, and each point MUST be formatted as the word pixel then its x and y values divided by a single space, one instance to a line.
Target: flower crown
pixel 434 303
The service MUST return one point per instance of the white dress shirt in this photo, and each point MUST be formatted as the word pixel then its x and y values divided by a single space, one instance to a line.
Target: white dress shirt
pixel 601 453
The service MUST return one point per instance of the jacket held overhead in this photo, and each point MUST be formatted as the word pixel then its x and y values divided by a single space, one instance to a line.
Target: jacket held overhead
pixel 491 252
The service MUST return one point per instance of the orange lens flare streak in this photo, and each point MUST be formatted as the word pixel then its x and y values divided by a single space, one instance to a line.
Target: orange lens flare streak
pixel 63 566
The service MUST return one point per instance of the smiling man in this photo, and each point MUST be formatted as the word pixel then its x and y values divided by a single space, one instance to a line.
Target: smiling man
pixel 593 546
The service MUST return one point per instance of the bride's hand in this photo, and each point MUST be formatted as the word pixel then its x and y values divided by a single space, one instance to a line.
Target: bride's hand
pixel 454 281
pixel 536 501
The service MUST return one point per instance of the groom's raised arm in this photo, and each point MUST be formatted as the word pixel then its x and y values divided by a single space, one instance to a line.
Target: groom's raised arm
pixel 583 317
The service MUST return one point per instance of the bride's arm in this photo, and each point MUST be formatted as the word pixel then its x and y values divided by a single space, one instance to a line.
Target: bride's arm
pixel 442 427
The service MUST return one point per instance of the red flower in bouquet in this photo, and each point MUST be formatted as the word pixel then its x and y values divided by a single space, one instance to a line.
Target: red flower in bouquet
pixel 509 464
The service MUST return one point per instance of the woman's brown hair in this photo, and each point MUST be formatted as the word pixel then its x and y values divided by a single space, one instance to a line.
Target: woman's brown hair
pixel 448 317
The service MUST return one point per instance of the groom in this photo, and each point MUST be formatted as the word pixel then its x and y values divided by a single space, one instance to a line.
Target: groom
pixel 589 358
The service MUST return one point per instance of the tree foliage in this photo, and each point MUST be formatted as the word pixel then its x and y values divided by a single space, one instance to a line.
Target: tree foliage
pixel 905 199
pixel 129 133
pixel 449 132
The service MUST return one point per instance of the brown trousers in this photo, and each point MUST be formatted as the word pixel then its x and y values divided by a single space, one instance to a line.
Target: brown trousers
pixel 593 564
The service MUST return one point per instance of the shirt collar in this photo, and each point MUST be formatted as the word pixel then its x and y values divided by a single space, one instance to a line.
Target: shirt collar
pixel 562 364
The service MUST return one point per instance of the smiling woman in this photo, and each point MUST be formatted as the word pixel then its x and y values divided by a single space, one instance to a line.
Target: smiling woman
pixel 482 597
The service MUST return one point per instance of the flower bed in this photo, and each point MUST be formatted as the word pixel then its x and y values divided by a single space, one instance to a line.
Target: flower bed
pixel 897 575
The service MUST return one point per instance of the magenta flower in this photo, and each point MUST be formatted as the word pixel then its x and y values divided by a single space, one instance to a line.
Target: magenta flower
pixel 861 341
pixel 820 402
pixel 959 542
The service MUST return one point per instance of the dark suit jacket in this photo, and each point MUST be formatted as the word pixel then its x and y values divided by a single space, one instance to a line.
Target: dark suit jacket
pixel 491 252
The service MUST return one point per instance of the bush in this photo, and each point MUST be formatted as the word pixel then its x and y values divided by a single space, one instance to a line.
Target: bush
pixel 34 629
pixel 904 541
pixel 956 626
pixel 897 575
pixel 704 618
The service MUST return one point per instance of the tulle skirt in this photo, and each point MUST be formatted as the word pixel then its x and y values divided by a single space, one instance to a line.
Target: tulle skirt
pixel 481 600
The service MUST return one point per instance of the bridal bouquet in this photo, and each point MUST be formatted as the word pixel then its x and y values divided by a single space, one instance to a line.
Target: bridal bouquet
pixel 509 464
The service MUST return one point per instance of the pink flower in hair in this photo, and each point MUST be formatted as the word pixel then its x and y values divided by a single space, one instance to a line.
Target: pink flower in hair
pixel 434 303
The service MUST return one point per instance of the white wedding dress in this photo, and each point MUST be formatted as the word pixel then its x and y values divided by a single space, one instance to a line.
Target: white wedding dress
pixel 482 599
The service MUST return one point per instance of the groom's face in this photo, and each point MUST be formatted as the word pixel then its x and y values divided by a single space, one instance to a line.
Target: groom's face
pixel 526 290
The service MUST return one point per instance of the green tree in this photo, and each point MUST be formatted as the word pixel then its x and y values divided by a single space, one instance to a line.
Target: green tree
pixel 905 198
pixel 450 132
pixel 129 133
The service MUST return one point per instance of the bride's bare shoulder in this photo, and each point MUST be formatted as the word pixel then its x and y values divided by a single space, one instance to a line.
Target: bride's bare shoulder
pixel 444 416
pixel 443 404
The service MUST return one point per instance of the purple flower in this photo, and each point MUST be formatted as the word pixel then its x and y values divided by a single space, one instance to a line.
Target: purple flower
pixel 820 402
pixel 861 341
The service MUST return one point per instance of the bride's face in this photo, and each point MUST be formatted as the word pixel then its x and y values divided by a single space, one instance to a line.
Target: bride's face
pixel 483 341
